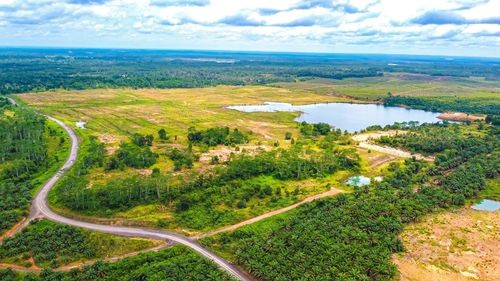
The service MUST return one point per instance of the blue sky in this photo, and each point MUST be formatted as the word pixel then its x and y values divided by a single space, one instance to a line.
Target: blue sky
pixel 442 27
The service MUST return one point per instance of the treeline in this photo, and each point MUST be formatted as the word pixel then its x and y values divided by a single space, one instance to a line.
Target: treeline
pixel 81 69
pixel 23 153
pixel 175 263
pixel 429 139
pixel 215 136
pixel 440 104
pixel 352 236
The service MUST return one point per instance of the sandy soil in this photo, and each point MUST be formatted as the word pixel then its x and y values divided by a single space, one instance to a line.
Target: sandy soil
pixel 460 116
pixel 365 141
pixel 460 245
pixel 224 152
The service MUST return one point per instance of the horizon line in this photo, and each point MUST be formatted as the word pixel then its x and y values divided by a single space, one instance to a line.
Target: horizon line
pixel 249 51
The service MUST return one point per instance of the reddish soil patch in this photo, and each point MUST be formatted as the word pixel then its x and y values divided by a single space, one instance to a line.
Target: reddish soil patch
pixel 12 229
pixel 224 153
pixel 460 245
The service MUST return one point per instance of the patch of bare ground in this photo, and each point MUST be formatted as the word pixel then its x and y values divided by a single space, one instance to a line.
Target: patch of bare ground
pixel 111 143
pixel 375 160
pixel 459 245
pixel 365 141
pixel 262 128
pixel 460 116
pixel 225 152
pixel 144 172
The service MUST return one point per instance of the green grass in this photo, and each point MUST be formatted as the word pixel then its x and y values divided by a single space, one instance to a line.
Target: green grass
pixel 492 190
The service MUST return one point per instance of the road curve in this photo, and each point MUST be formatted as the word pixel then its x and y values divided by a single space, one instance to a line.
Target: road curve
pixel 41 209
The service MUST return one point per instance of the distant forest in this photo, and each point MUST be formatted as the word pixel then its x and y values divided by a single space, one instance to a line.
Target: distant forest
pixel 32 70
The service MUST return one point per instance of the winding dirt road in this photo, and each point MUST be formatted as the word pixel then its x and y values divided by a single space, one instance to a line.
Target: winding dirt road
pixel 41 209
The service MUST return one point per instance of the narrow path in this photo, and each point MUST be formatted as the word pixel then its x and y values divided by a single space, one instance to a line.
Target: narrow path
pixel 41 209
pixel 330 192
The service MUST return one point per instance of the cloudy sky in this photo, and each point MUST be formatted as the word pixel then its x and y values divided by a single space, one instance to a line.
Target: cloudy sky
pixel 444 27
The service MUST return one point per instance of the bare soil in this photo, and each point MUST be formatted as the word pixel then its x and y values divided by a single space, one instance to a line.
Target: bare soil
pixel 365 141
pixel 460 116
pixel 459 245
pixel 224 152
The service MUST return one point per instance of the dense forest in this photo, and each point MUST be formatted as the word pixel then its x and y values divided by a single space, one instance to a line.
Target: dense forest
pixel 45 69
pixel 176 263
pixel 441 104
pixel 352 236
pixel 24 141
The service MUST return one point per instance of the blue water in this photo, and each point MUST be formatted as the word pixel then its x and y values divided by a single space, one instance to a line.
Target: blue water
pixel 346 116
pixel 486 205
pixel 358 181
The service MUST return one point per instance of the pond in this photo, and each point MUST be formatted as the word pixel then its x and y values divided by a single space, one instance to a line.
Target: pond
pixel 346 116
pixel 486 205
pixel 358 181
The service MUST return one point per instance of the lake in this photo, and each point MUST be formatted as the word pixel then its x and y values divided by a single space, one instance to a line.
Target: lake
pixel 486 205
pixel 346 116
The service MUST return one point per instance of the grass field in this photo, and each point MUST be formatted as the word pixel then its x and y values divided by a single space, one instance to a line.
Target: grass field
pixel 118 112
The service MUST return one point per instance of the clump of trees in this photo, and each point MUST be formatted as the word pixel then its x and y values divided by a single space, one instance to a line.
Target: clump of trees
pixel 132 155
pixel 142 140
pixel 314 129
pixel 163 135
pixel 182 158
pixel 216 136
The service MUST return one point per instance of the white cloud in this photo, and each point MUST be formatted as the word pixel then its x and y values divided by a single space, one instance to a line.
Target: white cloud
pixel 283 25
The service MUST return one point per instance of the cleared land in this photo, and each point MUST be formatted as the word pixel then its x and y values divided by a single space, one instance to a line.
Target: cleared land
pixel 459 245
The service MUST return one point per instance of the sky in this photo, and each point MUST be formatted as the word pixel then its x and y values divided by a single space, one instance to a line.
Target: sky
pixel 432 27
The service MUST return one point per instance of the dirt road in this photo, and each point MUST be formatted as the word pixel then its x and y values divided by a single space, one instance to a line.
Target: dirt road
pixel 365 141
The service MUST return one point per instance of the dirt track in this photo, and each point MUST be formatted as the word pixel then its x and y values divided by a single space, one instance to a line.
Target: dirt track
pixel 330 192
pixel 366 138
